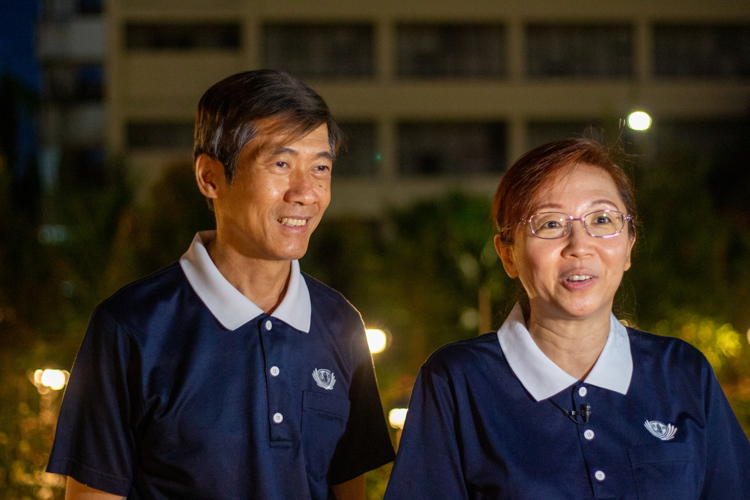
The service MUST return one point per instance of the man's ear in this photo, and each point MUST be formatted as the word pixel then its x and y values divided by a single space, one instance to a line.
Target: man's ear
pixel 209 173
pixel 505 253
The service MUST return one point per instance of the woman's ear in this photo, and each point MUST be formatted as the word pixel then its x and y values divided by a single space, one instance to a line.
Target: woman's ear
pixel 505 252
pixel 208 173
pixel 631 243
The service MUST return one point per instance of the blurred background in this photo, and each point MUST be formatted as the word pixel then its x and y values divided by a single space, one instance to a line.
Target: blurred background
pixel 437 98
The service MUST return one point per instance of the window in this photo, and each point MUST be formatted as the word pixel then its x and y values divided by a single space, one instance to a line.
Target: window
pixel 320 50
pixel 360 157
pixel 451 50
pixel 90 6
pixel 84 166
pixel 719 152
pixel 579 51
pixel 451 148
pixel 610 132
pixel 162 36
pixel 72 82
pixel 705 138
pixel 700 51
pixel 543 132
pixel 160 135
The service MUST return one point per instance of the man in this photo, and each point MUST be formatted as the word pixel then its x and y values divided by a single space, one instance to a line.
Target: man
pixel 230 374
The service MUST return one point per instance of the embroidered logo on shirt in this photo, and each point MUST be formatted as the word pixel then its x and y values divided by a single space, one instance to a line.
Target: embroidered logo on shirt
pixel 324 378
pixel 662 431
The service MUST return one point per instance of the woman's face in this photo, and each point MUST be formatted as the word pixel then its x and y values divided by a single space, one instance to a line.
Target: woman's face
pixel 576 276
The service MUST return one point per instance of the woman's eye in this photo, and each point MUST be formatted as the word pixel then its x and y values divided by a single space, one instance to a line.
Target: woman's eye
pixel 551 224
pixel 602 219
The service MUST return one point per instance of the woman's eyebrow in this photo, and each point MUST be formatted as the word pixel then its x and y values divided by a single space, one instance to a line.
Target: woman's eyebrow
pixel 556 206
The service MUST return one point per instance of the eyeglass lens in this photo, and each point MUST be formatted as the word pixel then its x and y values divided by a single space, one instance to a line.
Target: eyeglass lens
pixel 551 225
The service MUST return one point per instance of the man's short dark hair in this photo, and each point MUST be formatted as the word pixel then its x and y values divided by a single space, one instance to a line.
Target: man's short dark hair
pixel 229 112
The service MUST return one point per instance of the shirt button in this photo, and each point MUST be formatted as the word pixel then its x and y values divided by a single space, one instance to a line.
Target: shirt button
pixel 581 392
pixel 588 434
pixel 599 475
pixel 274 371
pixel 269 325
pixel 278 418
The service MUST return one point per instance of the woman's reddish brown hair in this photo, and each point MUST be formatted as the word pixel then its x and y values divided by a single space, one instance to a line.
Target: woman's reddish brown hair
pixel 522 182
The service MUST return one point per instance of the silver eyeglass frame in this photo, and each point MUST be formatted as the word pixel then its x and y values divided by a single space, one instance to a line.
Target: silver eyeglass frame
pixel 569 227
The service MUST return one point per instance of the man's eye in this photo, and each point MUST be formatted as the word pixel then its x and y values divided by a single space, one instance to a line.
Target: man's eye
pixel 281 164
pixel 322 168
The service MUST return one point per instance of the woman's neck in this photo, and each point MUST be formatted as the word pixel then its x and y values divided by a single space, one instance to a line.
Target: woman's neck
pixel 573 345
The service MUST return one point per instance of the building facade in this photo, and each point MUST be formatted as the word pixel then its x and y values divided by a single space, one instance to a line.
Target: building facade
pixel 433 96
pixel 71 49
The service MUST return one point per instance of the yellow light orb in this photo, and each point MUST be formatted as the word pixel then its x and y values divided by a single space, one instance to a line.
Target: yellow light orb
pixel 639 120
pixel 396 417
pixel 54 379
pixel 376 340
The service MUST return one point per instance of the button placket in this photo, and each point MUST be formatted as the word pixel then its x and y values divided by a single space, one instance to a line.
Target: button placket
pixel 591 453
pixel 280 416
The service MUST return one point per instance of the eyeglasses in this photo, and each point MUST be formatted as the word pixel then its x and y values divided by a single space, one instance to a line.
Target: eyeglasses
pixel 599 224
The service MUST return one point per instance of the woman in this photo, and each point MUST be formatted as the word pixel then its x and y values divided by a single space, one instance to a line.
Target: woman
pixel 564 401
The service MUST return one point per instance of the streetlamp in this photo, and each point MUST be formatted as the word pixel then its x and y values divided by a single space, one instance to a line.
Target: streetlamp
pixel 47 379
pixel 377 340
pixel 639 120
pixel 397 417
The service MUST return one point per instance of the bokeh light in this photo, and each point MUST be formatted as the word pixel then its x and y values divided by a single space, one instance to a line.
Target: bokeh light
pixel 54 379
pixel 376 340
pixel 396 417
pixel 639 120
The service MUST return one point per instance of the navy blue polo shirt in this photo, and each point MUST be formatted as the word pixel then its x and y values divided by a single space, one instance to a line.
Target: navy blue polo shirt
pixel 183 388
pixel 485 421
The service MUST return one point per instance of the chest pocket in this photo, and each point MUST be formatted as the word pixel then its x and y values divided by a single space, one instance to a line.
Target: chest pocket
pixel 324 418
pixel 665 471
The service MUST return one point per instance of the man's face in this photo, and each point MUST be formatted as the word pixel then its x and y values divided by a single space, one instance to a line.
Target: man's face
pixel 277 198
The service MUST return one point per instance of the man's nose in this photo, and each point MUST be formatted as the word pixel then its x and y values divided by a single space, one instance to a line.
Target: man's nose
pixel 301 188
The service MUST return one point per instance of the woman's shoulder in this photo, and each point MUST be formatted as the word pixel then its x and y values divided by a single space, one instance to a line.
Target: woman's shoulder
pixel 648 347
pixel 660 342
pixel 476 352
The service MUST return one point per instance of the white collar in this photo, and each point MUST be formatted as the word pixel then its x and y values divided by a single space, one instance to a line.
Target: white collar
pixel 227 304
pixel 543 378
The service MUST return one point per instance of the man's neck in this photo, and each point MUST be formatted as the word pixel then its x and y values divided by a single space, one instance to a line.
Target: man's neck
pixel 264 282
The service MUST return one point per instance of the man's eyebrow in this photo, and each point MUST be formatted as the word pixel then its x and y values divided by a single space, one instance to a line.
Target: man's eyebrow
pixel 291 151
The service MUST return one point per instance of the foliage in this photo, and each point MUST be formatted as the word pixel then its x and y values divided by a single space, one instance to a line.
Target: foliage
pixel 417 272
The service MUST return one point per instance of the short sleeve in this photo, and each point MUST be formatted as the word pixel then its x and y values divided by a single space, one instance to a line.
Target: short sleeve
pixel 94 443
pixel 428 464
pixel 366 443
pixel 727 447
